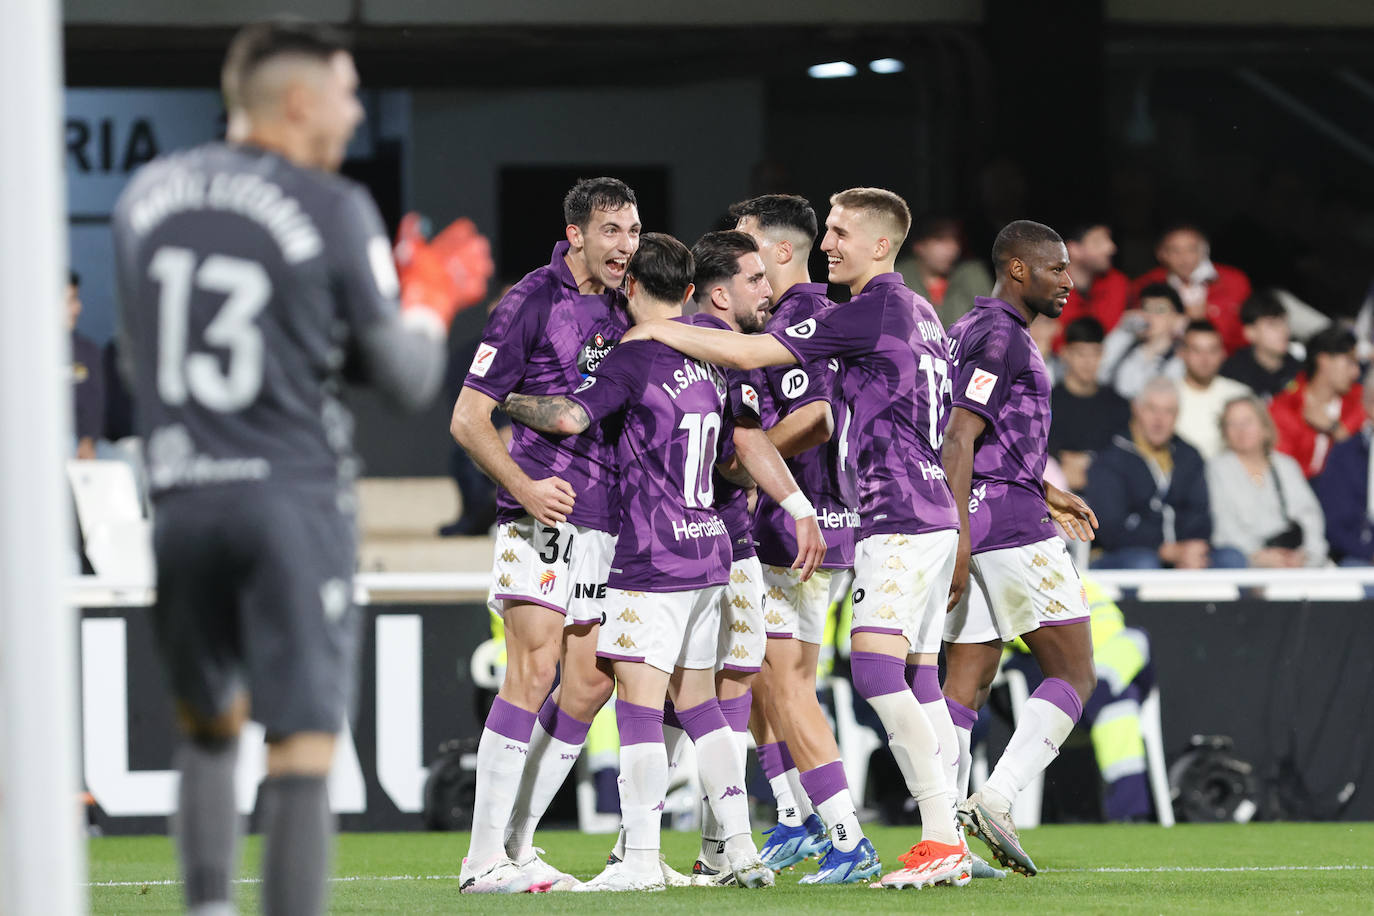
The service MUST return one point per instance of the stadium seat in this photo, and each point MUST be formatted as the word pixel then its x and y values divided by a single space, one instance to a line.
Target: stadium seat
pixel 119 540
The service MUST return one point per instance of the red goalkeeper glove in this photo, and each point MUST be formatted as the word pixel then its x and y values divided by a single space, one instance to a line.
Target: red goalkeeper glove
pixel 445 274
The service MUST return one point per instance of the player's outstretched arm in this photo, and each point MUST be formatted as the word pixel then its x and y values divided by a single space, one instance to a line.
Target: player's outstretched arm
pixel 766 466
pixel 548 500
pixel 1073 514
pixel 956 455
pixel 547 413
pixel 804 429
pixel 715 345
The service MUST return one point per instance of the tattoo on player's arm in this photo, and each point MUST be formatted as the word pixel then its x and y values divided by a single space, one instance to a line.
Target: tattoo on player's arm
pixel 547 413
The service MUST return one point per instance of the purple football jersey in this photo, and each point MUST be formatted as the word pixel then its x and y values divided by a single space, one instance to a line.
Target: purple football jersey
pixel 1000 375
pixel 732 502
pixel 675 416
pixel 894 362
pixel 825 473
pixel 545 337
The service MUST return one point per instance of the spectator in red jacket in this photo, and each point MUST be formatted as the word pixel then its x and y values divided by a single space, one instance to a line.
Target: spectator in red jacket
pixel 1213 292
pixel 1100 291
pixel 1322 406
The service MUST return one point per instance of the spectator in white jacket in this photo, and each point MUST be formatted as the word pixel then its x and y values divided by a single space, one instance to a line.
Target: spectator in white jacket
pixel 1261 503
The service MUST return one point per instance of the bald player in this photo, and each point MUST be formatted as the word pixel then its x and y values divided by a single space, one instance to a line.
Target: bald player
pixel 995 449
pixel 252 280
pixel 894 361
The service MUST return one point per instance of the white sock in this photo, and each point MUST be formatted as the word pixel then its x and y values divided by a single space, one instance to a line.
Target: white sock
pixel 500 762
pixel 674 740
pixel 839 816
pixel 1035 743
pixel 800 799
pixel 938 715
pixel 789 811
pixel 915 746
pixel 722 779
pixel 546 769
pixel 643 785
pixel 965 736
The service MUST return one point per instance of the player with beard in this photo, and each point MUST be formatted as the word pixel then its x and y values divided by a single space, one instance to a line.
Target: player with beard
pixel 557 517
pixel 995 450
pixel 893 355
pixel 672 559
pixel 802 407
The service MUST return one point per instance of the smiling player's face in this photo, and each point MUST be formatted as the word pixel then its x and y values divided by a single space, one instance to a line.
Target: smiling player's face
pixel 610 238
pixel 849 243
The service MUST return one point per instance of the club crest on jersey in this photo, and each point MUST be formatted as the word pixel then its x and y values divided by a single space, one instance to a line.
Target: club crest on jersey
pixel 593 352
pixel 795 382
pixel 980 386
pixel 802 331
pixel 750 397
pixel 486 355
pixel 546 580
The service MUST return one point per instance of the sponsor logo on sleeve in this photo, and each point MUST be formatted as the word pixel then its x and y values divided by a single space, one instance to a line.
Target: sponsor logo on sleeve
pixel 587 382
pixel 750 397
pixel 980 386
pixel 804 330
pixel 795 382
pixel 486 355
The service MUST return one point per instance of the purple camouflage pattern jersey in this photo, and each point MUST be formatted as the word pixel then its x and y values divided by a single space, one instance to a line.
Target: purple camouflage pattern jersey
pixel 545 337
pixel 894 363
pixel 732 502
pixel 675 417
pixel 825 473
pixel 1000 375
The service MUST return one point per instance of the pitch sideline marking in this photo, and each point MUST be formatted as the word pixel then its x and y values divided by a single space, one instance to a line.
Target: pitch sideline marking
pixel 1121 870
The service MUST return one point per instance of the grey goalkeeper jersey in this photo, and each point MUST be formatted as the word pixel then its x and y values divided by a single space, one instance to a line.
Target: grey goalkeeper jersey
pixel 249 288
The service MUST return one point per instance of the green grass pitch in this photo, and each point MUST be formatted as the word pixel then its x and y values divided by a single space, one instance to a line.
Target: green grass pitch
pixel 1255 868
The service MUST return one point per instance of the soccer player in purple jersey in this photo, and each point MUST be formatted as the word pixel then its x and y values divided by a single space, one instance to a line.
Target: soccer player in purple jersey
pixel 894 362
pixel 671 562
pixel 803 407
pixel 557 517
pixel 994 453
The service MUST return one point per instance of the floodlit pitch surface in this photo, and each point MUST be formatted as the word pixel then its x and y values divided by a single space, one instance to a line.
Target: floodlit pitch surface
pixel 1255 868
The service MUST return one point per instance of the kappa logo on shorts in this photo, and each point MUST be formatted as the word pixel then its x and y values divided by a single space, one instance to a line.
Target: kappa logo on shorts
pixel 739 626
pixel 625 642
pixel 897 540
pixel 776 593
pixel 895 563
pixel 633 594
pixel 804 330
pixel 858 595
pixel 773 618
pixel 739 576
pixel 739 652
pixel 980 386
pixel 741 602
pixel 513 531
pixel 503 580
pixel 509 556
pixel 1056 607
pixel 486 355
pixel 1046 584
pixel 1040 560
pixel 890 587
pixel 886 612
pixel 628 616
pixel 546 581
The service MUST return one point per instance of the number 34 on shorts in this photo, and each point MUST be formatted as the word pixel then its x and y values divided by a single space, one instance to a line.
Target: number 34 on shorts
pixel 562 567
